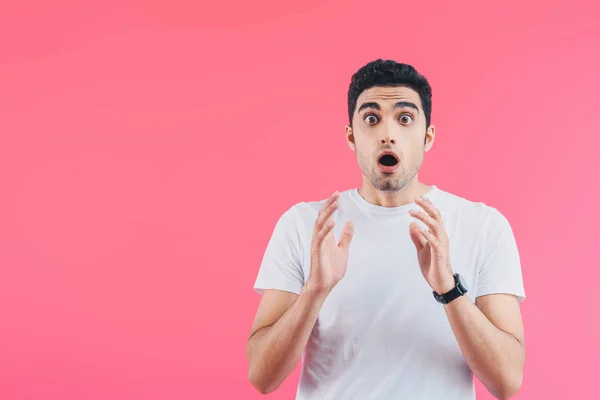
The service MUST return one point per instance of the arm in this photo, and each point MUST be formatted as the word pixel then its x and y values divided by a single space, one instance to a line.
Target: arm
pixel 279 335
pixel 284 320
pixel 490 335
pixel 489 331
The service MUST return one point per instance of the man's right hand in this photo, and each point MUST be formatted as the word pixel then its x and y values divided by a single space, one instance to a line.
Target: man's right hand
pixel 284 320
pixel 329 258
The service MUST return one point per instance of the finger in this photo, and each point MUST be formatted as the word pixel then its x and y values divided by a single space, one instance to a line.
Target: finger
pixel 347 235
pixel 429 208
pixel 431 239
pixel 325 215
pixel 431 223
pixel 329 201
pixel 415 235
pixel 326 211
pixel 324 231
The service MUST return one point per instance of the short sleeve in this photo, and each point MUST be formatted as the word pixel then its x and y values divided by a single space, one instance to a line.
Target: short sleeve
pixel 281 266
pixel 500 269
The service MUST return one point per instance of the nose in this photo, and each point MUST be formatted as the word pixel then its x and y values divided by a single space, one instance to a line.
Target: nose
pixel 389 132
pixel 387 138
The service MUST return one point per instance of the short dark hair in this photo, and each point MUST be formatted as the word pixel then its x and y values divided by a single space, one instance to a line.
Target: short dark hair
pixel 383 73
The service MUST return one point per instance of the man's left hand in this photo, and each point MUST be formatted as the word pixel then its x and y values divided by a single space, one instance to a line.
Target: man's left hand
pixel 433 247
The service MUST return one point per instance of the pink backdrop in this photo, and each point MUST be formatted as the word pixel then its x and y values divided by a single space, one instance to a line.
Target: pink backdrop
pixel 147 149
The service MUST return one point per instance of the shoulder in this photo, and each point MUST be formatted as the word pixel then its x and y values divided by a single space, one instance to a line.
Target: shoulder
pixel 303 214
pixel 479 213
pixel 308 209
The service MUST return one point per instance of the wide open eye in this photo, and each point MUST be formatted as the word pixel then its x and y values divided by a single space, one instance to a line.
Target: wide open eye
pixel 406 119
pixel 371 119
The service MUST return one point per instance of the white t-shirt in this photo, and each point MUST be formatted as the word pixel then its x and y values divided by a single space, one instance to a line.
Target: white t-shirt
pixel 380 333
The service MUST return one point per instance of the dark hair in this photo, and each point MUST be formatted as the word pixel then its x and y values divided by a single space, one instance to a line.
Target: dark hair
pixel 389 73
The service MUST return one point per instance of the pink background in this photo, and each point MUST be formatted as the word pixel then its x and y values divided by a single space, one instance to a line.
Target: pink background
pixel 147 149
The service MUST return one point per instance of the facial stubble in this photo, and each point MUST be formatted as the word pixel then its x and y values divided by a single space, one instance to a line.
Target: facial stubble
pixel 387 183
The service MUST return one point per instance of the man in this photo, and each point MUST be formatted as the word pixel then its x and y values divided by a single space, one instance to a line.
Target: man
pixel 397 289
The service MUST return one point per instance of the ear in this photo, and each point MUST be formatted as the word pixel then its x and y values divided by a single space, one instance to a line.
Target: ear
pixel 350 137
pixel 429 137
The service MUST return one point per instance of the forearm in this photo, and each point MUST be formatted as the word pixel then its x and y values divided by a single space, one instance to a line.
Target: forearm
pixel 274 351
pixel 495 357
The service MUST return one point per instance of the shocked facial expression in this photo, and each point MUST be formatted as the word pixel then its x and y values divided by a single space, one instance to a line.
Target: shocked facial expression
pixel 389 135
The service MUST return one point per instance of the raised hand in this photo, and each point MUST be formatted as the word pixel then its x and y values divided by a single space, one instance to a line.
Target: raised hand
pixel 328 257
pixel 433 249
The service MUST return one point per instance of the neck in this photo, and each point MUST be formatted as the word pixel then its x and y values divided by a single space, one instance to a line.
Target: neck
pixel 406 195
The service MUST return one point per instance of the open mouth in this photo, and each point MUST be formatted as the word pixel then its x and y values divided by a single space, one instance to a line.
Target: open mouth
pixel 388 160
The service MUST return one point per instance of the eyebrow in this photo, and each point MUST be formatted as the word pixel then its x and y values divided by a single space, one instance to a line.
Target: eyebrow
pixel 400 104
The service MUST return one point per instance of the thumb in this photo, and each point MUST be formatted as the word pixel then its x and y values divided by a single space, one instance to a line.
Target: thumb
pixel 347 234
pixel 416 236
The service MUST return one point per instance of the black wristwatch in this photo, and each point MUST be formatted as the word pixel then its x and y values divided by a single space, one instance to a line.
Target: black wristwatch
pixel 459 289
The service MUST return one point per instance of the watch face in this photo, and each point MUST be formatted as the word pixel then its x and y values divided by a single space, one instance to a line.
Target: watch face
pixel 462 284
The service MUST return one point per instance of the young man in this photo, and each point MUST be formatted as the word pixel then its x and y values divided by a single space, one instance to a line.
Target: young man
pixel 410 291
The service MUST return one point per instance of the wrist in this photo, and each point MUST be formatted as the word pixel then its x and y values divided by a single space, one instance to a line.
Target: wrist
pixel 314 296
pixel 448 294
pixel 317 288
pixel 446 284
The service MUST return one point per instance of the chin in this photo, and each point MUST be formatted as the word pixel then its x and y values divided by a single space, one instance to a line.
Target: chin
pixel 389 185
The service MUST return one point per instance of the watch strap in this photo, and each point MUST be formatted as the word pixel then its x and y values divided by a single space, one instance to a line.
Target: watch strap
pixel 450 295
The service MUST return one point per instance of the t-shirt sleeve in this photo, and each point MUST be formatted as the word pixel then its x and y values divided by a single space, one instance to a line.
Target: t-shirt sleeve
pixel 281 266
pixel 500 270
